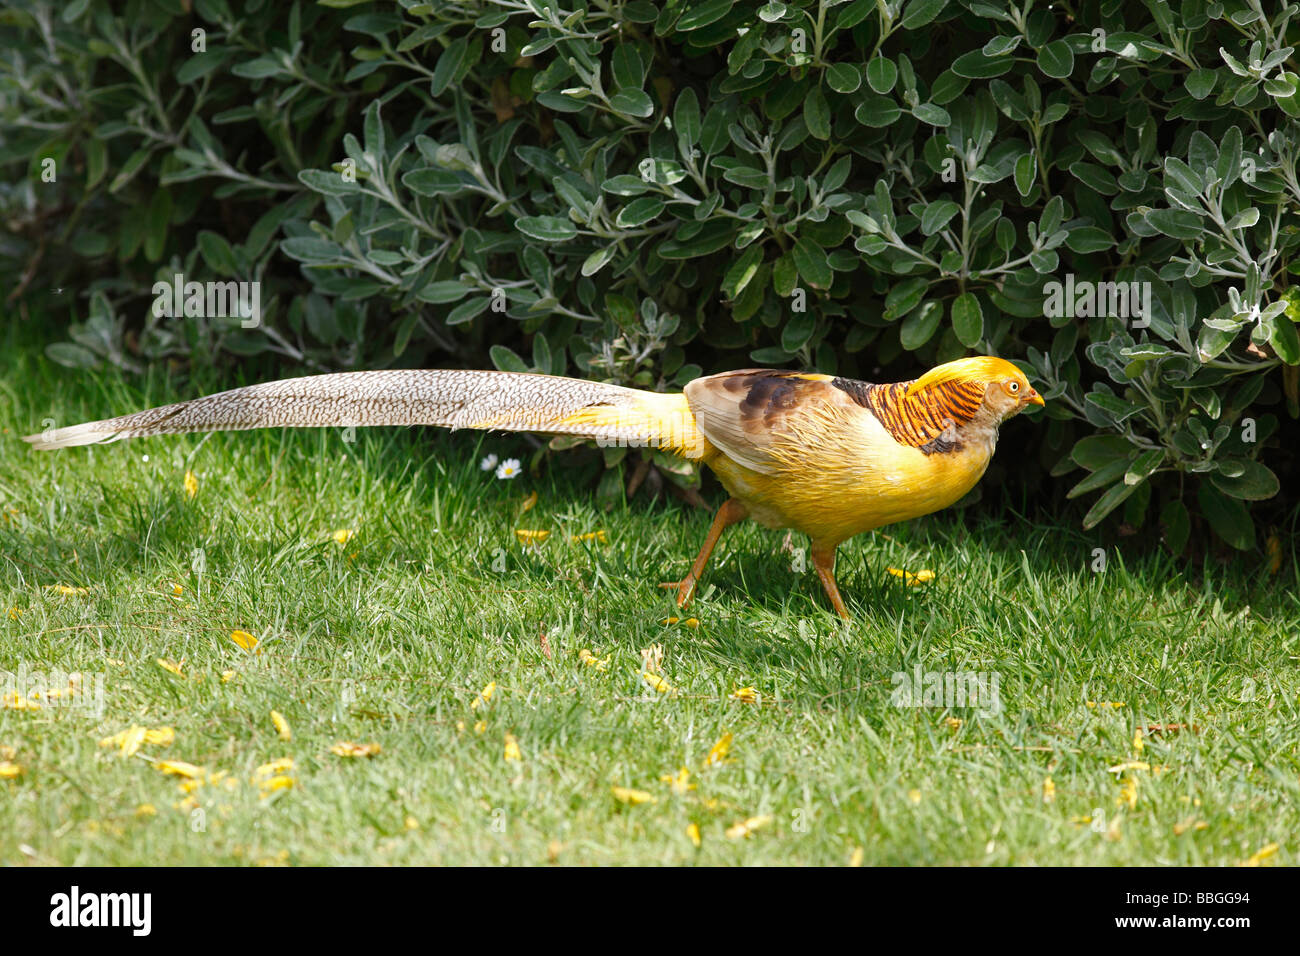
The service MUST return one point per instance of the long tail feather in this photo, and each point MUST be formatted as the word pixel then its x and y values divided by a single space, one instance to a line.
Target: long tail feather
pixel 502 401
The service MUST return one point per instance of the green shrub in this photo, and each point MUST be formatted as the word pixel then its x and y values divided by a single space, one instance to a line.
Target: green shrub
pixel 638 191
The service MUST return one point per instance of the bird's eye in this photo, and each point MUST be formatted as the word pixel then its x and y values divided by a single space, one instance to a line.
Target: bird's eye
pixel 1014 387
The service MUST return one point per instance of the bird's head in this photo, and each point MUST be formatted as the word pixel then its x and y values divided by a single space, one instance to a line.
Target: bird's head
pixel 1006 390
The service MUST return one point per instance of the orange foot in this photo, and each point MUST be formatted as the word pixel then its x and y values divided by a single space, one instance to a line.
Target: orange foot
pixel 685 588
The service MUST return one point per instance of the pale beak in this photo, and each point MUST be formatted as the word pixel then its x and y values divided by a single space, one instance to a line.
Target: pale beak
pixel 1033 398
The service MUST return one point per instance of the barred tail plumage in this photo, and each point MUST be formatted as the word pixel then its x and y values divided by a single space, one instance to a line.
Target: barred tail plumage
pixel 502 401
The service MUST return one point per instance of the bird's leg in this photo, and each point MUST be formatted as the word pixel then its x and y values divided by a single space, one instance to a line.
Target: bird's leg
pixel 730 512
pixel 823 559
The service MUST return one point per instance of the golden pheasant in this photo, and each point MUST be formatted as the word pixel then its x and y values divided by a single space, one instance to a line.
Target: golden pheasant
pixel 830 457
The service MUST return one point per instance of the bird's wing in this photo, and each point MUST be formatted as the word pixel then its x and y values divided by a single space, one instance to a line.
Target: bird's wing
pixel 761 418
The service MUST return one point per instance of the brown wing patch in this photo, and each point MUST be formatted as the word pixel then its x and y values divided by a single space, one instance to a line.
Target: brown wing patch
pixel 926 420
pixel 752 415
pixel 767 396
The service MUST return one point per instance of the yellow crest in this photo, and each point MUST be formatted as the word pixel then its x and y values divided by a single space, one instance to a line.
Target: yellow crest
pixel 974 368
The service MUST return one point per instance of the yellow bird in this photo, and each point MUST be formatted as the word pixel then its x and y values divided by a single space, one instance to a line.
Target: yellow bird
pixel 829 457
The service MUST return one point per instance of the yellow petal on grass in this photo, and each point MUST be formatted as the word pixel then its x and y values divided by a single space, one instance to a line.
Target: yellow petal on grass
pixel 179 768
pixel 856 857
pixel 1049 790
pixel 591 660
pixel 679 782
pixel 747 828
pixel 632 797
pixel 277 766
pixel 1260 856
pixel 15 613
pixel 245 640
pixel 484 696
pixel 746 695
pixel 1189 824
pixel 177 590
pixel 480 726
pixel 223 779
pixel 342 536
pixel 346 748
pixel 9 770
pixel 275 784
pixel 692 622
pixel 227 676
pixel 128 741
pixel 512 752
pixel 718 752
pixel 171 666
pixel 191 484
pixel 920 577
pixel 146 810
pixel 600 537
pixel 657 683
pixel 914 796
pixel 66 590
pixel 281 725
pixel 1105 704
pixel 528 504
pixel 1128 793
pixel 693 834
pixel 528 536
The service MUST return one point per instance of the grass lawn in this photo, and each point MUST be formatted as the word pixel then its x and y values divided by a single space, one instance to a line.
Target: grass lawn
pixel 1146 714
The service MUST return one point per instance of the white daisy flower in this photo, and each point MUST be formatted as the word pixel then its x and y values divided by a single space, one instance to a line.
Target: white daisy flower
pixel 508 469
pixel 488 463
